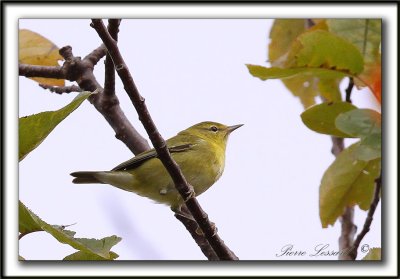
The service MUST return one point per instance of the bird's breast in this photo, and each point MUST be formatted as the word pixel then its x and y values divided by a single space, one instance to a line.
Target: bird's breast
pixel 203 166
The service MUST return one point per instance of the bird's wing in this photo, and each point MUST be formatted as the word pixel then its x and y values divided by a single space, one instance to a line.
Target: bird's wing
pixel 143 157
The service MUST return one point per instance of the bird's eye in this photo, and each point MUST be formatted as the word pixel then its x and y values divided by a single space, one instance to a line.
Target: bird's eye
pixel 213 128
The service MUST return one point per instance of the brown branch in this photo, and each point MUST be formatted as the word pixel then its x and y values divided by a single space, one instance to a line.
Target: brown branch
pixel 349 89
pixel 368 220
pixel 192 226
pixel 109 73
pixel 41 71
pixel 61 89
pixel 337 145
pixel 96 55
pixel 309 23
pixel 347 234
pixel 348 228
pixel 81 71
pixel 186 190
pixel 113 27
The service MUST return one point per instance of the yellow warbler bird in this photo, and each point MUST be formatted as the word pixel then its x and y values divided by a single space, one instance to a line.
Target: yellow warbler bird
pixel 199 151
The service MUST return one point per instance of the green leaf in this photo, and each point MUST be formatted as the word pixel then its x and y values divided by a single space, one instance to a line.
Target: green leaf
pixel 305 83
pixel 35 128
pixel 309 62
pixel 321 118
pixel 321 49
pixel 26 222
pixel 368 153
pixel 283 34
pixel 359 122
pixel 364 124
pixel 347 182
pixel 94 247
pixel 264 73
pixel 365 34
pixel 83 256
pixel 374 254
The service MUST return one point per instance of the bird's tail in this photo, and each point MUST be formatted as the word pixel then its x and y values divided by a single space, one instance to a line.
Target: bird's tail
pixel 85 177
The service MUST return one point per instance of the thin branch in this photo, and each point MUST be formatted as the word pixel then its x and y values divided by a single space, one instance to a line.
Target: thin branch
pixel 368 220
pixel 192 226
pixel 347 234
pixel 186 190
pixel 349 89
pixel 113 27
pixel 41 71
pixel 109 73
pixel 348 228
pixel 96 55
pixel 81 71
pixel 337 145
pixel 61 89
pixel 109 91
pixel 309 23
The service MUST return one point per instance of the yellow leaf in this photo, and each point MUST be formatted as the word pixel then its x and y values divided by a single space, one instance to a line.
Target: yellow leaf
pixel 374 254
pixel 283 33
pixel 284 36
pixel 35 49
pixel 347 182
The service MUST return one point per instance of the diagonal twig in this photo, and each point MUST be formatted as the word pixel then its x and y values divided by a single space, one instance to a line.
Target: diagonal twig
pixel 368 220
pixel 192 227
pixel 61 89
pixel 109 73
pixel 96 55
pixel 186 190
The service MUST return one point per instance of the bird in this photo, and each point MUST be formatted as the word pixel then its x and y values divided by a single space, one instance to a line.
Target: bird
pixel 198 150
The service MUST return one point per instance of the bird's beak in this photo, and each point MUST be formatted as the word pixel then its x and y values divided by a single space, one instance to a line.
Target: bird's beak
pixel 233 128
